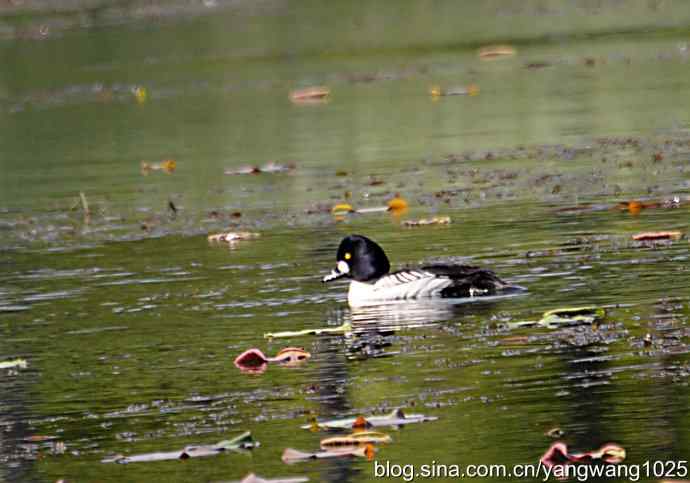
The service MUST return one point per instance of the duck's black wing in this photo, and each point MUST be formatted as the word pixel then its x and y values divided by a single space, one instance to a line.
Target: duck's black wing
pixel 468 281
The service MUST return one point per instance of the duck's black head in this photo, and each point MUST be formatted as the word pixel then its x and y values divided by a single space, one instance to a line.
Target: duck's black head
pixel 360 258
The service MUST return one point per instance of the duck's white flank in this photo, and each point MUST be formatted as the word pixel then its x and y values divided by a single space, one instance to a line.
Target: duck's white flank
pixel 407 284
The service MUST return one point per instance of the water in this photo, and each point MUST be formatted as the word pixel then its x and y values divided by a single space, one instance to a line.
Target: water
pixel 130 320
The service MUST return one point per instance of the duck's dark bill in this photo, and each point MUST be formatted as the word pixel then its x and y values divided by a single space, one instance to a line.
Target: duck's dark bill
pixel 333 275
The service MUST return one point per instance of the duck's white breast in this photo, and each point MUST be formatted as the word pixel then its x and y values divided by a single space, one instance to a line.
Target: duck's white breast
pixel 400 285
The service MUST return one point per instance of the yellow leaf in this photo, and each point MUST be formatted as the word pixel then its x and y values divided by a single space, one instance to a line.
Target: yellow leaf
pixel 342 208
pixel 397 204
pixel 472 90
pixel 140 94
pixel 168 165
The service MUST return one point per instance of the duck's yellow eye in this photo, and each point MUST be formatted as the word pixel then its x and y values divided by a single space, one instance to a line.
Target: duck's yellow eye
pixel 348 256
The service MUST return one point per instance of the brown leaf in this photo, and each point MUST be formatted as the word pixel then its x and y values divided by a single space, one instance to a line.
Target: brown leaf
pixel 491 52
pixel 310 94
pixel 658 235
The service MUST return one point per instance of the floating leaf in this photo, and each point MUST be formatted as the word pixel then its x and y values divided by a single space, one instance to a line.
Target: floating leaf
pixel 356 439
pixel 658 235
pixel 140 94
pixel 291 356
pixel 18 363
pixel 39 438
pixel 397 204
pixel 373 209
pixel 254 361
pixel 470 90
pixel 167 165
pixel 252 478
pixel 270 167
pixel 251 358
pixel 275 167
pixel 344 329
pixel 558 455
pixel 589 312
pixel 310 94
pixel 361 423
pixel 232 237
pixel 244 170
pixel 396 418
pixel 242 442
pixel 491 52
pixel 564 316
pixel 436 220
pixel 634 207
pixel 554 432
pixel 537 65
pixel 294 456
pixel 342 208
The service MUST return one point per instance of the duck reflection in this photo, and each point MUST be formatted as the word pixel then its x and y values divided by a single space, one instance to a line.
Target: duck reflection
pixel 374 333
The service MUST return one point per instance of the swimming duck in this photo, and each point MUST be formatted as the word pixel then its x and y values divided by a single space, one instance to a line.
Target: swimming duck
pixel 365 262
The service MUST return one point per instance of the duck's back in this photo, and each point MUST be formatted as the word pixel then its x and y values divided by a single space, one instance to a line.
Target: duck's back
pixel 467 281
pixel 429 281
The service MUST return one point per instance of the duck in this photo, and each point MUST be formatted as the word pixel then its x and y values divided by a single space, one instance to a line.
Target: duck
pixel 366 264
